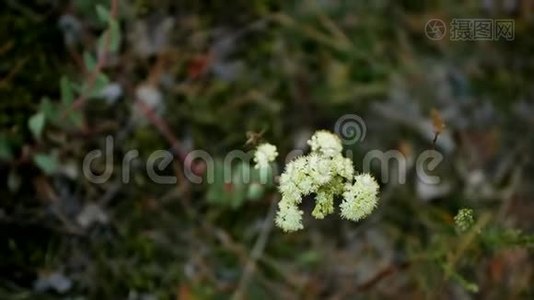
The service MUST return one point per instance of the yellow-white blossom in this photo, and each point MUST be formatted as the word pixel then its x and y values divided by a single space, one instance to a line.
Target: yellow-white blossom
pixel 264 154
pixel 319 169
pixel 325 143
pixel 343 166
pixel 325 173
pixel 289 217
pixel 360 198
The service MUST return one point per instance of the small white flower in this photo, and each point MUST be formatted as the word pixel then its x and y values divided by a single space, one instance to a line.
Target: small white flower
pixel 343 166
pixel 325 143
pixel 360 198
pixel 265 153
pixel 305 185
pixel 319 169
pixel 289 217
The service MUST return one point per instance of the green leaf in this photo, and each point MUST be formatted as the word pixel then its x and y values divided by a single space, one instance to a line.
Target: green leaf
pixel 5 149
pixel 67 95
pixel 36 124
pixel 101 82
pixel 101 43
pixel 115 35
pixel 109 44
pixel 46 162
pixel 89 61
pixel 50 110
pixel 94 91
pixel 102 13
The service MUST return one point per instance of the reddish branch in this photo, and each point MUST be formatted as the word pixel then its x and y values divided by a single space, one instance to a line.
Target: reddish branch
pixel 162 127
pixel 101 62
pixel 390 270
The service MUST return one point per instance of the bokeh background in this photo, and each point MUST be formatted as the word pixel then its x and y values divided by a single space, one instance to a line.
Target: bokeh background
pixel 225 75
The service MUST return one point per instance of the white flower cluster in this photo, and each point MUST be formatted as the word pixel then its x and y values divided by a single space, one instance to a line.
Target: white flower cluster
pixel 326 143
pixel 325 173
pixel 264 154
pixel 360 198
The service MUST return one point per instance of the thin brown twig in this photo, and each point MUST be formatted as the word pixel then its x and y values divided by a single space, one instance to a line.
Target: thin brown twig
pixel 162 127
pixel 389 270
pixel 256 252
